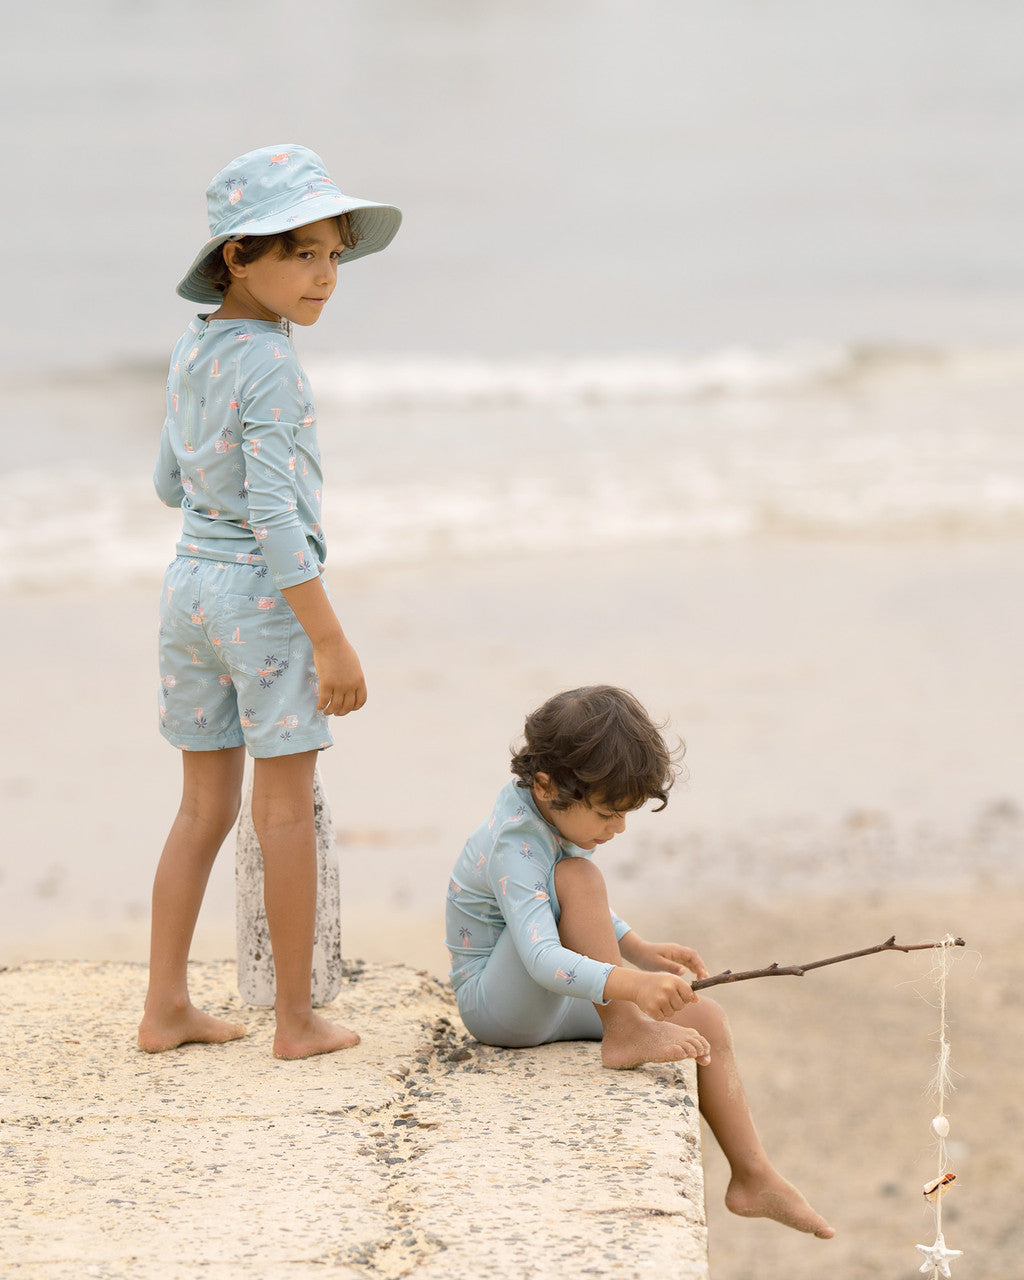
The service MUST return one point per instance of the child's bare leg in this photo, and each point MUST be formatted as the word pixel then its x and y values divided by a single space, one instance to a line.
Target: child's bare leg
pixel 282 814
pixel 756 1189
pixel 630 1037
pixel 210 796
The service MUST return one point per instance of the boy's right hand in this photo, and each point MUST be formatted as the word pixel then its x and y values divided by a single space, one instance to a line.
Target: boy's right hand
pixel 340 681
pixel 339 676
pixel 659 995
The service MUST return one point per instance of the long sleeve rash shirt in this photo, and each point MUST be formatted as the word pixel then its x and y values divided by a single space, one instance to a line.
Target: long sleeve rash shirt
pixel 239 452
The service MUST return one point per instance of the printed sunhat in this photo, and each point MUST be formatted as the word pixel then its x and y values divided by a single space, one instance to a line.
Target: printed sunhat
pixel 277 189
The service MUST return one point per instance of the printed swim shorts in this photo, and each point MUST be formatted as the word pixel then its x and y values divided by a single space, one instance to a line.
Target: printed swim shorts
pixel 236 667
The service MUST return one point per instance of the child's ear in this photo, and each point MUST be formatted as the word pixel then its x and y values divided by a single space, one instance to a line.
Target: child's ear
pixel 229 252
pixel 542 787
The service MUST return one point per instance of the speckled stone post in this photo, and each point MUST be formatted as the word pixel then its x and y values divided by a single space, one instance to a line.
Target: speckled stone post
pixel 255 957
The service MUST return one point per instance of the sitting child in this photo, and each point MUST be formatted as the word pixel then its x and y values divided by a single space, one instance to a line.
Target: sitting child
pixel 538 955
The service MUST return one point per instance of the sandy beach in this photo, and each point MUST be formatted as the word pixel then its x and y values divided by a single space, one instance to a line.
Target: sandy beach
pixel 851 716
pixel 850 711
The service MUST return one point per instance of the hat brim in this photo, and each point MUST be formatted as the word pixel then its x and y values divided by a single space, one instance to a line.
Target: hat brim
pixel 375 226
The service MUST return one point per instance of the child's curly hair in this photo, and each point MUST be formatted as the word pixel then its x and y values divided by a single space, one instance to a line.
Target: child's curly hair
pixel 597 743
pixel 215 269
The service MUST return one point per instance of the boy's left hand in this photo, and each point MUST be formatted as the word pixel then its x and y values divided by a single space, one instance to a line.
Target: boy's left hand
pixel 668 957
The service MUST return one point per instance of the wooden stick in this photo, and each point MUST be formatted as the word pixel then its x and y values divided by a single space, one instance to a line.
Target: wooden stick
pixel 798 970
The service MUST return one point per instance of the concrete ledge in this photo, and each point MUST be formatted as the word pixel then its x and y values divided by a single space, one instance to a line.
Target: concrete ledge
pixel 419 1153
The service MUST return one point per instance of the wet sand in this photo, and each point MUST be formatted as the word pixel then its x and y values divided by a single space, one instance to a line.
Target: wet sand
pixel 838 1067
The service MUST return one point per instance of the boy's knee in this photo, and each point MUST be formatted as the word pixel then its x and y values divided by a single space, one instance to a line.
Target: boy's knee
pixel 282 810
pixel 714 1020
pixel 576 873
pixel 213 811
pixel 271 820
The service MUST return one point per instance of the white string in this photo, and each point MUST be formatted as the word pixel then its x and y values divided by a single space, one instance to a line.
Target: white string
pixel 942 1083
pixel 941 1086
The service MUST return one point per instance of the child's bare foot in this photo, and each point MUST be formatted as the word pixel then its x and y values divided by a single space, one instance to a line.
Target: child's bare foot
pixel 643 1040
pixel 189 1025
pixel 769 1195
pixel 305 1037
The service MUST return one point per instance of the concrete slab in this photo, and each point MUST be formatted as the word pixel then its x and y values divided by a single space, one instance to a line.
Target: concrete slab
pixel 418 1153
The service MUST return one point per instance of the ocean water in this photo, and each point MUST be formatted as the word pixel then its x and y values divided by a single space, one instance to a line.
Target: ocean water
pixel 442 458
pixel 667 270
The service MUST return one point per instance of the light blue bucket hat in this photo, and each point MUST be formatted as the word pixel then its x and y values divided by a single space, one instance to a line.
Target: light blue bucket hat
pixel 277 189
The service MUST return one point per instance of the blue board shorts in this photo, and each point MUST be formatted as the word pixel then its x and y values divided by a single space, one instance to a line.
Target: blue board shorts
pixel 236 667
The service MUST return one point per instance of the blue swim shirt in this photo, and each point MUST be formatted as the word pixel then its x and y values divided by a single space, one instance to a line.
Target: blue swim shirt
pixel 239 452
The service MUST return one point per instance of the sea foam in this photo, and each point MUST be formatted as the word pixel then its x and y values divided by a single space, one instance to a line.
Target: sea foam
pixel 463 458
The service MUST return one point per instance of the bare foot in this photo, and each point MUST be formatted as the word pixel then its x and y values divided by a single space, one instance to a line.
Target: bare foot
pixel 306 1037
pixel 188 1025
pixel 769 1195
pixel 644 1040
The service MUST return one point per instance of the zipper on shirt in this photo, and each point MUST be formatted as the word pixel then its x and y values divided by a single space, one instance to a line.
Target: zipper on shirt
pixel 187 433
pixel 189 447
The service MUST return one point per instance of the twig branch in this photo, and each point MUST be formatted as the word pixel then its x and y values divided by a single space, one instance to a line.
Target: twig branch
pixel 798 970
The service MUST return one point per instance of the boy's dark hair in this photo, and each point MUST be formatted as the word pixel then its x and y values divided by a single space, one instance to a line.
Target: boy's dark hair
pixel 249 248
pixel 597 743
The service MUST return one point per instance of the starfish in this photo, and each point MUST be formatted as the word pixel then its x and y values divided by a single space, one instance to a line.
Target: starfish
pixel 937 1256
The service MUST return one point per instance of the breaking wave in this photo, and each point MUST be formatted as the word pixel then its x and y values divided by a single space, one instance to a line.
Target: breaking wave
pixel 467 458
